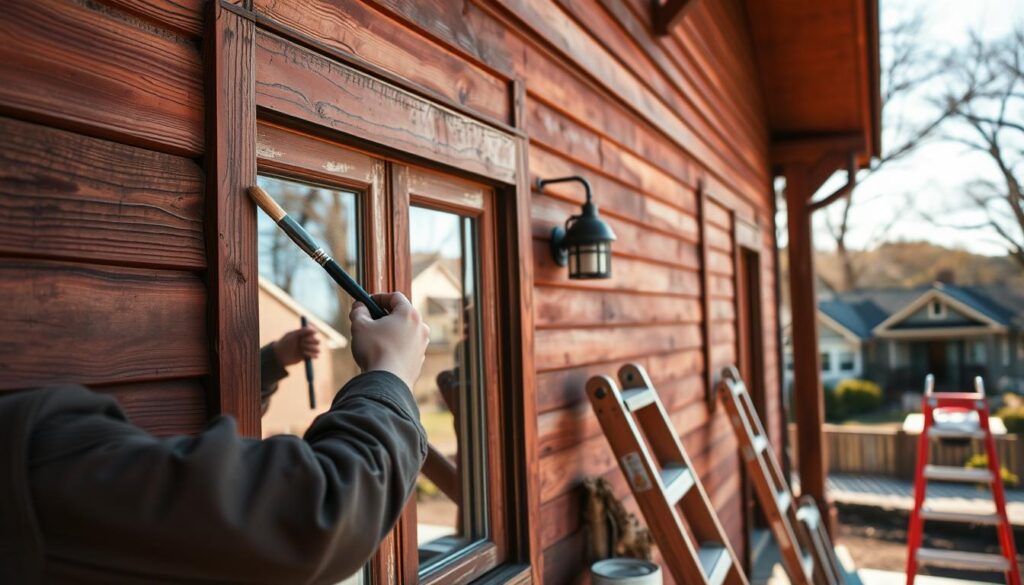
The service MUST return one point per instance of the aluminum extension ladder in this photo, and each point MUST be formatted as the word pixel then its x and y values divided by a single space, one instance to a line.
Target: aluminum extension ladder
pixel 805 546
pixel 663 481
pixel 919 556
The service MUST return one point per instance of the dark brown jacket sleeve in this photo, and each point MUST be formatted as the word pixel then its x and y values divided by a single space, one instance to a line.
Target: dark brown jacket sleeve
pixel 219 508
pixel 271 373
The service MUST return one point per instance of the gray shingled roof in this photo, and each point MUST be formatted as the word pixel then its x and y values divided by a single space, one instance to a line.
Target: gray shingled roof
pixel 862 310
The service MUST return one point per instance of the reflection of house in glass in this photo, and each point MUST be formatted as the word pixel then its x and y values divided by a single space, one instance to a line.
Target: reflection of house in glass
pixel 436 295
pixel 289 410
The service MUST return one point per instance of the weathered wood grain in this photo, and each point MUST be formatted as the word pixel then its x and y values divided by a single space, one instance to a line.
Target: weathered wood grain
pixel 231 216
pixel 564 308
pixel 81 66
pixel 183 16
pixel 95 324
pixel 68 196
pixel 296 82
pixel 354 28
pixel 563 348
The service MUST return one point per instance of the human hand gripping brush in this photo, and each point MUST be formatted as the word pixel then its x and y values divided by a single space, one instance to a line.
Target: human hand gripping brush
pixel 310 246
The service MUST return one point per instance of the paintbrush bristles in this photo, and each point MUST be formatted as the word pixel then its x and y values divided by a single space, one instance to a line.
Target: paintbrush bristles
pixel 266 203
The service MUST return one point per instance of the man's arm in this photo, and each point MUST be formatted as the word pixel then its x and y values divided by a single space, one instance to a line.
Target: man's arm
pixel 216 506
pixel 110 498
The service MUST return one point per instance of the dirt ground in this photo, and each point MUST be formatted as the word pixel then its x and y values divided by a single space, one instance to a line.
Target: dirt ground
pixel 877 539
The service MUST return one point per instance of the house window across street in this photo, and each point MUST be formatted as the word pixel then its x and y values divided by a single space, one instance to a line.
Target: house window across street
pixel 847 361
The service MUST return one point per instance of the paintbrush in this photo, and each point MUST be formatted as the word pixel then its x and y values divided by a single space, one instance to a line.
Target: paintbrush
pixel 309 370
pixel 310 246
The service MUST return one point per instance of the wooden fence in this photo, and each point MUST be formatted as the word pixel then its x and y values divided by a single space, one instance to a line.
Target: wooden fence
pixel 867 450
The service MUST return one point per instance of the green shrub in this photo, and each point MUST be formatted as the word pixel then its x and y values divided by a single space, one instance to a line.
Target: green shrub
pixel 1013 418
pixel 980 461
pixel 833 408
pixel 858 396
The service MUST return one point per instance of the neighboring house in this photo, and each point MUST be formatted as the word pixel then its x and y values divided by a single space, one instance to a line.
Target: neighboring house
pixel 897 336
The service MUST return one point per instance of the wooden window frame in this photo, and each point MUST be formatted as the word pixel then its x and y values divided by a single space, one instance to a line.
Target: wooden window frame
pixel 515 556
pixel 378 114
pixel 386 190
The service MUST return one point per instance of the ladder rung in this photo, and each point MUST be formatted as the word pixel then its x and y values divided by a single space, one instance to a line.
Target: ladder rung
pixel 638 398
pixel 955 559
pixel 937 433
pixel 760 444
pixel 965 474
pixel 784 499
pixel 807 564
pixel 715 561
pixel 809 515
pixel 677 480
pixel 967 518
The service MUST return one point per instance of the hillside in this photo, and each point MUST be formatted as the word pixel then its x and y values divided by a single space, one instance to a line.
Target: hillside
pixel 907 264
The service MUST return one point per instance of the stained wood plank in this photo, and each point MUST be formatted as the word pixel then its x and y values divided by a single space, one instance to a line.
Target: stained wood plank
pixel 80 66
pixel 183 16
pixel 231 216
pixel 354 28
pixel 563 308
pixel 555 27
pixel 95 324
pixel 564 388
pixel 163 409
pixel 296 82
pixel 558 348
pixel 64 195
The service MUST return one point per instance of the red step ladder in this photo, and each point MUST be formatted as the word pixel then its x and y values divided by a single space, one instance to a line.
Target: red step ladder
pixel 918 556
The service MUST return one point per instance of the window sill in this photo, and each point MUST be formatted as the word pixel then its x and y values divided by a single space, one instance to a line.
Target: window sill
pixel 517 574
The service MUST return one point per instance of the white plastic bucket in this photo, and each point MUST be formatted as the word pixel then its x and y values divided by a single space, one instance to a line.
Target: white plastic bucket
pixel 625 572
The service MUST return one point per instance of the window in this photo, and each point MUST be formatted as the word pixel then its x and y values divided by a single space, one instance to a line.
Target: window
pixel 394 226
pixel 979 352
pixel 847 361
pixel 1004 342
pixel 826 361
pixel 936 310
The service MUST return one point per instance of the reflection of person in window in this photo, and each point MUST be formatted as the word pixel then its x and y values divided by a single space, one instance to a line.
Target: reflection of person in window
pixel 86 497
pixel 292 348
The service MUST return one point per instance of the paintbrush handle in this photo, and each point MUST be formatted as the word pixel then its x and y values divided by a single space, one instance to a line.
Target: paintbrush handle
pixel 310 246
pixel 309 371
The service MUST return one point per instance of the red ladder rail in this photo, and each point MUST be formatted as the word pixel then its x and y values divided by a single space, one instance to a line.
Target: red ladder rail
pixel 918 556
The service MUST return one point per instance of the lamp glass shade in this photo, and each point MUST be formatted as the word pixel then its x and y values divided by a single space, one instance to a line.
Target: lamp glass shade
pixel 590 260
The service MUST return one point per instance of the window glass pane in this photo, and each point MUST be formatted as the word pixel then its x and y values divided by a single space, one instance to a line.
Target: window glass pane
pixel 826 361
pixel 451 493
pixel 847 361
pixel 292 285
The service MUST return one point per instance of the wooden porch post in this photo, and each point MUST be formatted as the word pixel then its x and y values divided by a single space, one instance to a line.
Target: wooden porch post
pixel 808 401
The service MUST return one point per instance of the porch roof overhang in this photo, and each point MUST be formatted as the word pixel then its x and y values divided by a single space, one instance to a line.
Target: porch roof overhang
pixel 819 67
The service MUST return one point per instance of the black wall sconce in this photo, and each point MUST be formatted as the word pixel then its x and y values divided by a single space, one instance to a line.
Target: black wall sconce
pixel 585 242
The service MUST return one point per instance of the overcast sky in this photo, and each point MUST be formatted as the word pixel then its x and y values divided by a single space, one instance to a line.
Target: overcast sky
pixel 933 175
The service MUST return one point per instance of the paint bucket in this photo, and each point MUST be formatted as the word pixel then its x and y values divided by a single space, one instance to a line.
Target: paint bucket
pixel 625 572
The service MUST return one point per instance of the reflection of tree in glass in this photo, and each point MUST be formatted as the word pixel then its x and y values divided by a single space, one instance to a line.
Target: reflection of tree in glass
pixel 325 214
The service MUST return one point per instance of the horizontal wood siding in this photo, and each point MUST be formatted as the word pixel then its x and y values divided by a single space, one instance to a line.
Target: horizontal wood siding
pixel 116 85
pixel 101 204
pixel 645 119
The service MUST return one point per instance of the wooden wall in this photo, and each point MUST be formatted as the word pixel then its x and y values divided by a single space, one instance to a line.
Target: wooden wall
pixel 101 234
pixel 102 253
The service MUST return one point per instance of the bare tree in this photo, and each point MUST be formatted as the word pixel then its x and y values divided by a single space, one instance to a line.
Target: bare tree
pixel 992 124
pixel 910 70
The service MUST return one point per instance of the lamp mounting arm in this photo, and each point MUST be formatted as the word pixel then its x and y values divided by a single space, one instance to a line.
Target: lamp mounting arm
pixel 541 183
